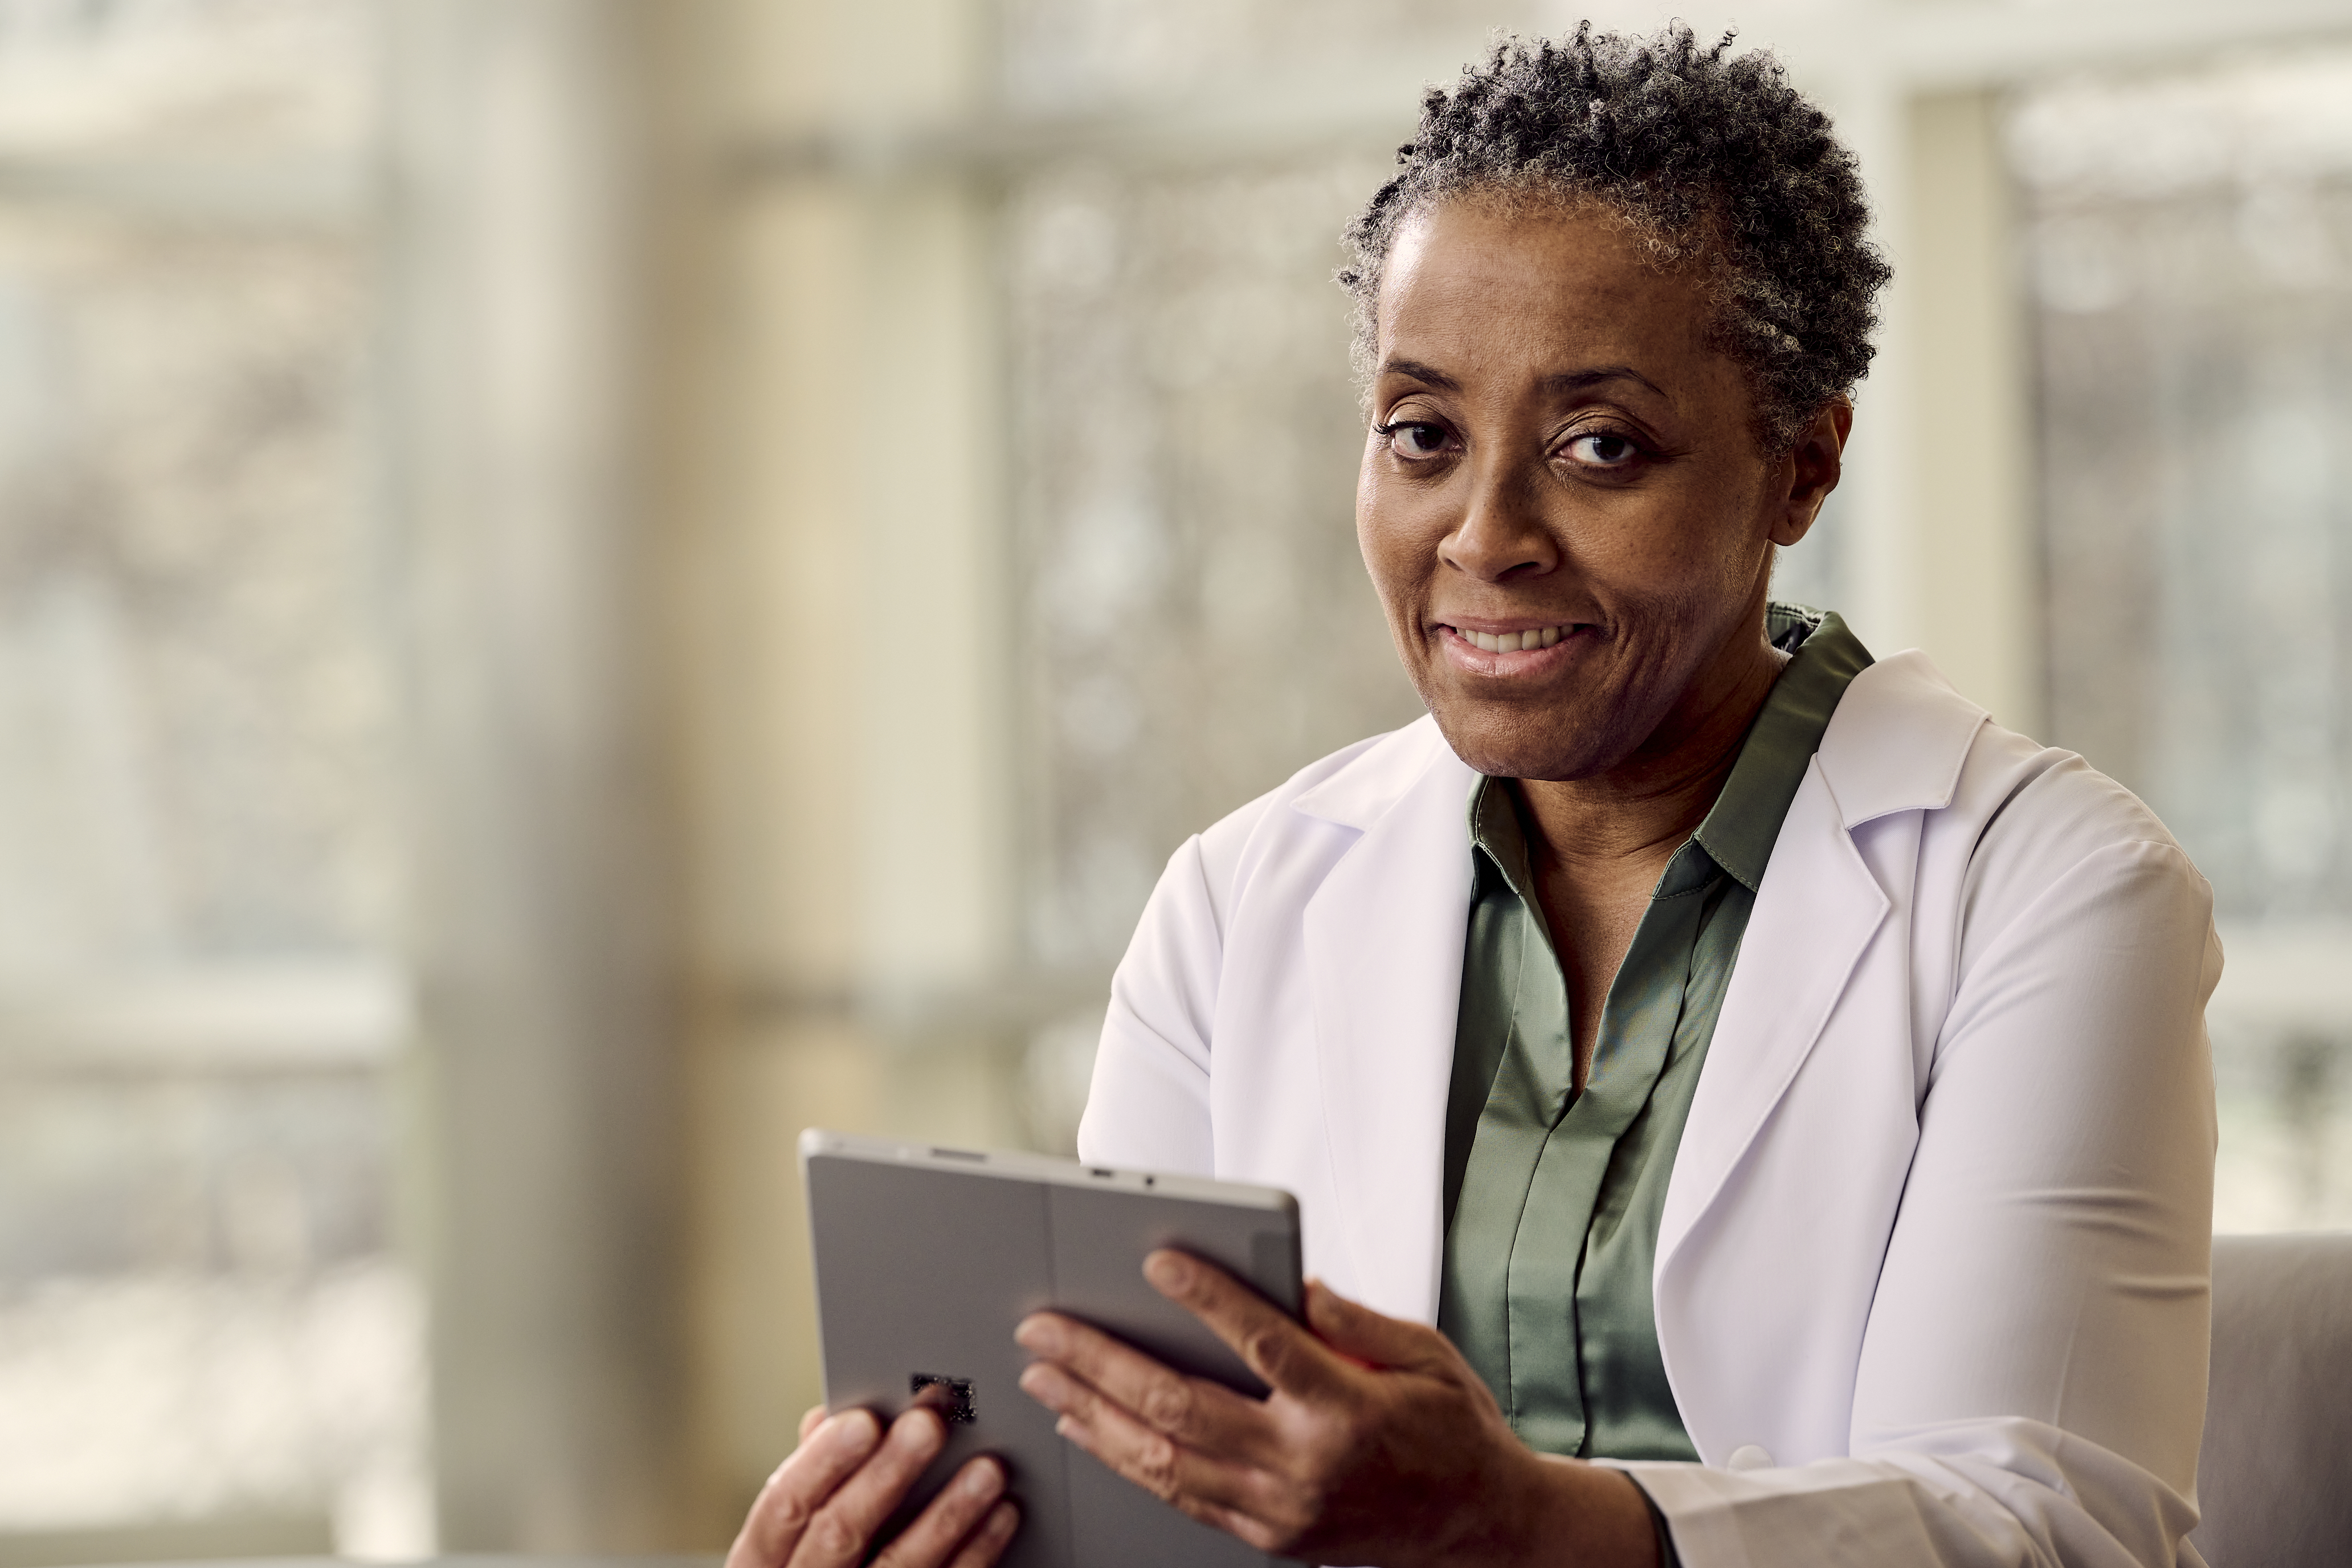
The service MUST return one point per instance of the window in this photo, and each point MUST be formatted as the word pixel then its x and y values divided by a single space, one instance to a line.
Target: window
pixel 2190 248
pixel 206 1343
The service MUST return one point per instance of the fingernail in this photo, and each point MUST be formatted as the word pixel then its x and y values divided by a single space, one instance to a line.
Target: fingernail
pixel 1001 1519
pixel 981 1479
pixel 854 1431
pixel 1169 1270
pixel 1037 1383
pixel 1036 1335
pixel 922 1426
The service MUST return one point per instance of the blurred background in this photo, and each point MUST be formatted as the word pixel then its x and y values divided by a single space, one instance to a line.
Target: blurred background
pixel 585 584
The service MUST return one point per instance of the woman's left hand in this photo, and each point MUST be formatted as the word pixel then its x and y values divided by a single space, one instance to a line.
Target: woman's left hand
pixel 825 1505
pixel 1378 1444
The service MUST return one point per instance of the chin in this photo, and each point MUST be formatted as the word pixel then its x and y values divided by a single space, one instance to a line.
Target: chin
pixel 1512 745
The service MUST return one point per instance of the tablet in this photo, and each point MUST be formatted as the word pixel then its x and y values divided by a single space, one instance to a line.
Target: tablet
pixel 927 1257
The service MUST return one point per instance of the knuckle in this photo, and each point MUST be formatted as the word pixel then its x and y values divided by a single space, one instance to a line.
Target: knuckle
pixel 830 1536
pixel 1169 1404
pixel 789 1513
pixel 1267 1349
pixel 1155 1468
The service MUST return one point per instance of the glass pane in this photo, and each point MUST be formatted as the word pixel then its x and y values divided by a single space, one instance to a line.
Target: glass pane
pixel 184 79
pixel 2190 245
pixel 207 1344
pixel 1075 51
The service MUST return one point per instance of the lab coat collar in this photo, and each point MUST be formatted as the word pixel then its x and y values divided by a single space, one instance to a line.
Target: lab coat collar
pixel 1898 741
pixel 1361 792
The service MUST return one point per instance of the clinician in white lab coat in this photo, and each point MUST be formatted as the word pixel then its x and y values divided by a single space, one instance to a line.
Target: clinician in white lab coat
pixel 1930 1255
pixel 1746 1106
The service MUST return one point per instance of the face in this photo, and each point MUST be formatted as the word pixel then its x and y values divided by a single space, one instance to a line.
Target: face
pixel 1563 503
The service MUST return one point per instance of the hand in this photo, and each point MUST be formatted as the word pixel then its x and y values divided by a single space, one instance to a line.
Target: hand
pixel 1378 1444
pixel 822 1507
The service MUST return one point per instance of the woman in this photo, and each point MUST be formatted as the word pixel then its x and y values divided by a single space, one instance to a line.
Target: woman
pixel 1776 1126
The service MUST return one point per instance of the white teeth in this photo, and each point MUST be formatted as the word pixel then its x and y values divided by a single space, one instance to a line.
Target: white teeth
pixel 1513 642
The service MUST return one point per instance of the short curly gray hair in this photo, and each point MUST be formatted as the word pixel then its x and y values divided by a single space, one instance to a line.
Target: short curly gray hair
pixel 1712 156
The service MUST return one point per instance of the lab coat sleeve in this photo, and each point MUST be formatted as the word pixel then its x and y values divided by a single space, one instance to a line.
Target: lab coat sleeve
pixel 1149 1103
pixel 2031 1383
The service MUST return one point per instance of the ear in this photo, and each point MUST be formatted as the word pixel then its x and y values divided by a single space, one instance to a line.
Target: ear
pixel 1810 471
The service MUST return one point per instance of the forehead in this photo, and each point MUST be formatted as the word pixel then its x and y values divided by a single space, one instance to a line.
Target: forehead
pixel 1497 282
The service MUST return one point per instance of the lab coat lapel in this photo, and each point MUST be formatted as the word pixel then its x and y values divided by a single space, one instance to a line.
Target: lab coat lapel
pixel 1815 917
pixel 1384 936
pixel 1897 742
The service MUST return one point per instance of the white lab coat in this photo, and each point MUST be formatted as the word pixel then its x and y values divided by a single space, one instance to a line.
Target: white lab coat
pixel 1932 1277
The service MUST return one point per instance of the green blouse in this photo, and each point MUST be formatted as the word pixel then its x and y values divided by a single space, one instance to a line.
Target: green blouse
pixel 1553 1198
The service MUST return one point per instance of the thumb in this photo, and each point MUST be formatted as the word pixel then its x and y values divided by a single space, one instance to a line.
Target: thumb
pixel 1355 1330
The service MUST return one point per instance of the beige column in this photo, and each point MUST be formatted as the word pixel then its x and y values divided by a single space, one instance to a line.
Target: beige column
pixel 1976 592
pixel 833 417
pixel 548 1191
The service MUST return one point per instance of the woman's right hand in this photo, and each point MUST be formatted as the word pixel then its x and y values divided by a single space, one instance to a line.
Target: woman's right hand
pixel 822 1507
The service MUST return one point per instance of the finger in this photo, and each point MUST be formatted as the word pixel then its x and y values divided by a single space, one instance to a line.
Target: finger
pixel 840 1532
pixel 1270 1344
pixel 1357 1332
pixel 1206 1487
pixel 951 1516
pixel 1079 1361
pixel 988 1541
pixel 780 1515
pixel 1258 1532
pixel 811 1419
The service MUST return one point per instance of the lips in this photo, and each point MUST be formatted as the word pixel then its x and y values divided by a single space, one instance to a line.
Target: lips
pixel 1513 641
pixel 1514 652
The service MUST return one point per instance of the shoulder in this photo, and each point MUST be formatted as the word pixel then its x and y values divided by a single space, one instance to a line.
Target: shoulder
pixel 1903 739
pixel 2011 819
pixel 1262 862
pixel 1322 807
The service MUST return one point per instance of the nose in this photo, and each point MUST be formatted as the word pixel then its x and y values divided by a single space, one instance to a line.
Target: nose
pixel 1501 537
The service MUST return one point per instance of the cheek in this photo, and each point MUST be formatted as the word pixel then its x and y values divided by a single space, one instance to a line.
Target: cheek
pixel 1389 542
pixel 1698 550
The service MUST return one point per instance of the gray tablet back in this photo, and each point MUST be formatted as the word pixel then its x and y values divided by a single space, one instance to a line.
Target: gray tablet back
pixel 926 1258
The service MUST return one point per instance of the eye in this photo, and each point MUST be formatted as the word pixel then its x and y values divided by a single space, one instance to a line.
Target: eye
pixel 1414 440
pixel 1602 449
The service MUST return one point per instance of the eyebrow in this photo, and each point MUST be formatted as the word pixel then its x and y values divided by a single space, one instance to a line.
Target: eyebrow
pixel 1420 372
pixel 1567 381
pixel 1576 381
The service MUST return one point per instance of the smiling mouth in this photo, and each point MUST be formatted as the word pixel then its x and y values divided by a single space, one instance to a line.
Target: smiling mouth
pixel 1513 642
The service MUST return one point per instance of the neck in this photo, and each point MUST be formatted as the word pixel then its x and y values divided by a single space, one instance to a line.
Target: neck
pixel 1637 814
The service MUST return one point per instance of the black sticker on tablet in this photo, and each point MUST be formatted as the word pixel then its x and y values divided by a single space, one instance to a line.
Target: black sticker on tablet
pixel 953 1401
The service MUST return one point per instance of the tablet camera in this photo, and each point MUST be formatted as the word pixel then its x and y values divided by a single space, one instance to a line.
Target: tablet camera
pixel 950 1396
